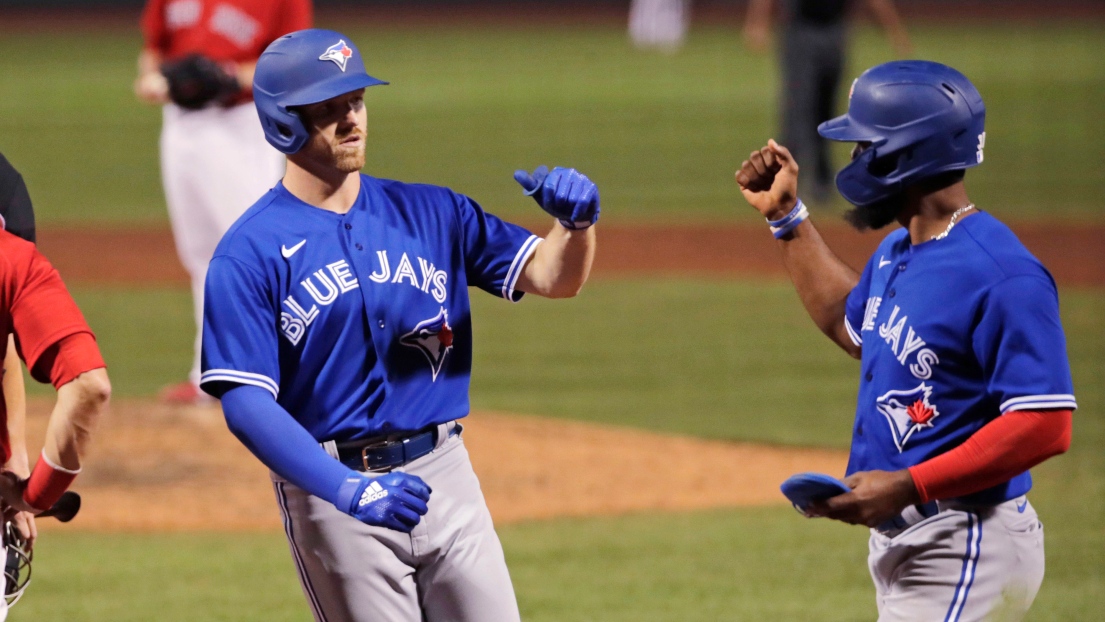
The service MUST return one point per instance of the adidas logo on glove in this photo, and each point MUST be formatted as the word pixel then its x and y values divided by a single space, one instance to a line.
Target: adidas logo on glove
pixel 373 493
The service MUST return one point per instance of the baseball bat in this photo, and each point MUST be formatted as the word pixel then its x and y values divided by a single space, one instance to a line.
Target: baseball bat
pixel 65 508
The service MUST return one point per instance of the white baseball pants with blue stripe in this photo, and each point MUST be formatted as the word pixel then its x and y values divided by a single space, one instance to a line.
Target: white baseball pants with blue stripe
pixel 962 565
pixel 450 569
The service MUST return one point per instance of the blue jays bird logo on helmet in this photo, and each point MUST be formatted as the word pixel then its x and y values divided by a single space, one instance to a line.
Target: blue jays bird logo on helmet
pixel 289 75
pixel 907 412
pixel 432 337
pixel 339 53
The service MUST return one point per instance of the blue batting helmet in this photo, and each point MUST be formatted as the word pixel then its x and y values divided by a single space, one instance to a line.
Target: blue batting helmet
pixel 921 118
pixel 304 67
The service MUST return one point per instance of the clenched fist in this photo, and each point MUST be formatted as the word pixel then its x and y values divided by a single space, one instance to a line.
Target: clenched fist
pixel 769 180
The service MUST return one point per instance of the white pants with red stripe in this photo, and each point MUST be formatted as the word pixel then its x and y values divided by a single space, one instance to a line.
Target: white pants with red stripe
pixel 215 163
pixel 961 565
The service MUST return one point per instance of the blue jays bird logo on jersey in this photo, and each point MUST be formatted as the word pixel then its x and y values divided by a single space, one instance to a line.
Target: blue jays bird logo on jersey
pixel 432 337
pixel 907 412
pixel 339 53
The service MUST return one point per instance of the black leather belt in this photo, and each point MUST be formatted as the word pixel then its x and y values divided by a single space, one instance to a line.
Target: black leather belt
pixel 908 519
pixel 390 452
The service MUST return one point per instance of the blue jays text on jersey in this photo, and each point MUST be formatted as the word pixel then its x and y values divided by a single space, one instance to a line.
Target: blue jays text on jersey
pixel 358 323
pixel 954 333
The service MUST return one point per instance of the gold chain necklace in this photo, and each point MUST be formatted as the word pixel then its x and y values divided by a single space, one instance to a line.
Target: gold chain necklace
pixel 959 212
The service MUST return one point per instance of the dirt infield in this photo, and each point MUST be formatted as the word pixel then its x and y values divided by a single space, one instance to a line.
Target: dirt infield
pixel 157 468
pixel 160 468
pixel 1075 254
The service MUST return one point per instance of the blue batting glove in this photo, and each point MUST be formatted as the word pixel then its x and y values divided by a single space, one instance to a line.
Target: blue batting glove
pixel 565 193
pixel 396 500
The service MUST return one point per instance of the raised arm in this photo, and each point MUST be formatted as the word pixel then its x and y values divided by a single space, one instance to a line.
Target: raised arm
pixel 769 182
pixel 562 262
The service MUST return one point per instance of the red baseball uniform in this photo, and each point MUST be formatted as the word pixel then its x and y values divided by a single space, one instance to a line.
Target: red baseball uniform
pixel 223 30
pixel 234 30
pixel 50 332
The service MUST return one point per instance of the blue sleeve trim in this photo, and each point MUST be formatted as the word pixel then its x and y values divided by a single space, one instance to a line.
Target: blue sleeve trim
pixel 516 267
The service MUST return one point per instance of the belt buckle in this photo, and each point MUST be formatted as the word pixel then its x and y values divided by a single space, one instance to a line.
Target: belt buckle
pixel 380 444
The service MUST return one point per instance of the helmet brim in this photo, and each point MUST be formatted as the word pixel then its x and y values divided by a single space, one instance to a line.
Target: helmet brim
pixel 844 129
pixel 328 89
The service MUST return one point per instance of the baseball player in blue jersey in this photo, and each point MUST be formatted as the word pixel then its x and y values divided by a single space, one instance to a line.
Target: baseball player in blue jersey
pixel 965 382
pixel 338 335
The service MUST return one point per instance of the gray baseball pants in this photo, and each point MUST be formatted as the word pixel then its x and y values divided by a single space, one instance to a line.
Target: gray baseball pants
pixel 450 568
pixel 961 565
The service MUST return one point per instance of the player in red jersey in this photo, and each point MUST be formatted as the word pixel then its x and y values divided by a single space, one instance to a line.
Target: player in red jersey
pixel 58 347
pixel 17 216
pixel 215 161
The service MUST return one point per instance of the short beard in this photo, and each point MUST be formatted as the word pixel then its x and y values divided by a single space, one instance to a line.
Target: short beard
pixel 882 213
pixel 342 160
pixel 347 162
pixel 877 215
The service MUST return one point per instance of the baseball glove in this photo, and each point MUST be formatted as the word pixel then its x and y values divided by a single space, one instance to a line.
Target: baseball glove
pixel 195 81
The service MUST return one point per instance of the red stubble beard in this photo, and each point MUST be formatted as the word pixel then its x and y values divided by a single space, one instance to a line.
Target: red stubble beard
pixel 332 153
pixel 349 159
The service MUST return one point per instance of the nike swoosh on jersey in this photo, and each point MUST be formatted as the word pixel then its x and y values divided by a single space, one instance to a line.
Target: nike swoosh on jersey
pixel 288 252
pixel 884 262
pixel 1021 506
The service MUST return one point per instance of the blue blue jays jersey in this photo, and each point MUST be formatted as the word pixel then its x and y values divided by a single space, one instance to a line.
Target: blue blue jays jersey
pixel 954 333
pixel 358 323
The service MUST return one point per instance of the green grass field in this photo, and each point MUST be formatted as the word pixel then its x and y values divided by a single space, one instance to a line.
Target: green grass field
pixel 660 134
pixel 712 358
pixel 625 362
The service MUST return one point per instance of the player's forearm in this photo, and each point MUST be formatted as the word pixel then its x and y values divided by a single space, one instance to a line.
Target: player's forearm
pixel 561 263
pixel 150 86
pixel 1002 449
pixel 149 61
pixel 822 281
pixel 887 16
pixel 280 443
pixel 15 399
pixel 80 404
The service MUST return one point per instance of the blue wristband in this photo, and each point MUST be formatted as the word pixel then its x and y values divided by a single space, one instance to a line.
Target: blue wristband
pixel 786 224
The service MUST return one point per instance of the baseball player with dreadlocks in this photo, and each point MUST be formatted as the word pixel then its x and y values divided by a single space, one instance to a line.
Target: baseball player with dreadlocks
pixel 338 335
pixel 965 382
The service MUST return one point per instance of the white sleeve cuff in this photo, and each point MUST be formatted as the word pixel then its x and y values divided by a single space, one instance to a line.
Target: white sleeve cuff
pixel 240 377
pixel 519 264
pixel 856 338
pixel 57 467
pixel 1039 402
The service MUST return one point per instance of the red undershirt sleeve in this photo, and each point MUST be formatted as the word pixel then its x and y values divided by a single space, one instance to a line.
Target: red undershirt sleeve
pixel 1003 448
